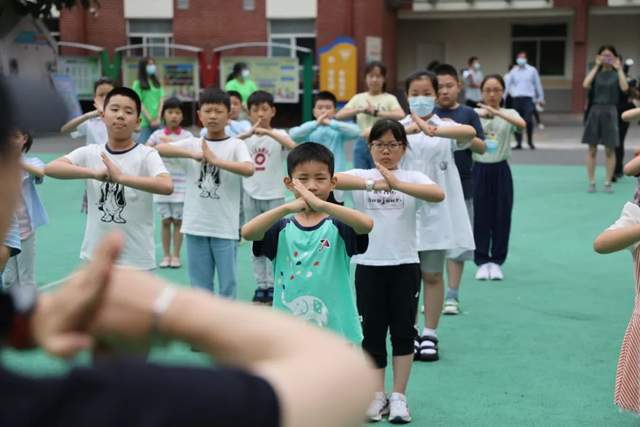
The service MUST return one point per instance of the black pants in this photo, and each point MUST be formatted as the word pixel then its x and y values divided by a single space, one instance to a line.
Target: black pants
pixel 525 107
pixel 492 204
pixel 623 127
pixel 472 104
pixel 387 300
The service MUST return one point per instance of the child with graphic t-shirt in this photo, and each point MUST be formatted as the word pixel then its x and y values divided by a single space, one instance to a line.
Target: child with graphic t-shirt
pixel 121 178
pixel 311 250
pixel 214 167
pixel 170 207
pixel 263 191
pixel 388 273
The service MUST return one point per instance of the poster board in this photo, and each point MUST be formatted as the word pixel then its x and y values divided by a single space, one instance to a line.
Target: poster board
pixel 180 76
pixel 279 76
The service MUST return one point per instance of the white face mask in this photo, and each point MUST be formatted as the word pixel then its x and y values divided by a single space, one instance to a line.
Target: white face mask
pixel 422 105
pixel 477 66
pixel 151 69
pixel 245 73
pixel 521 61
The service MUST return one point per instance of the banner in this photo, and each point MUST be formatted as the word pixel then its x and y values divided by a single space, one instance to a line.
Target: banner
pixel 179 76
pixel 278 75
pixel 338 68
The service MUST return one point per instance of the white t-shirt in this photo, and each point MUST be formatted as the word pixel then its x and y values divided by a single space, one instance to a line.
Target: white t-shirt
pixel 94 130
pixel 268 156
pixel 393 240
pixel 115 206
pixel 174 166
pixel 630 216
pixel 212 200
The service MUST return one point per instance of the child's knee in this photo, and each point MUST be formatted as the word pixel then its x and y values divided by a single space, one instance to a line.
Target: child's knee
pixel 432 279
pixel 166 222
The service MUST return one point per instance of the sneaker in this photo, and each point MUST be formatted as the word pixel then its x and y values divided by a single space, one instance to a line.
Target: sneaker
pixel 260 296
pixel 378 407
pixel 608 188
pixel 540 126
pixel 483 272
pixel 591 188
pixel 398 409
pixel 495 272
pixel 269 298
pixel 451 307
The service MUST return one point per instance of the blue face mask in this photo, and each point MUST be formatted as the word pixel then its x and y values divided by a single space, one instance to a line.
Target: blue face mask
pixel 151 69
pixel 521 61
pixel 422 105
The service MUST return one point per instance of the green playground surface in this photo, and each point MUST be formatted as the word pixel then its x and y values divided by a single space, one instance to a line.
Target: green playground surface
pixel 538 349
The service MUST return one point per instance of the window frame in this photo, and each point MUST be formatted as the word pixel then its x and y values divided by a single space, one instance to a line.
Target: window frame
pixel 168 39
pixel 538 41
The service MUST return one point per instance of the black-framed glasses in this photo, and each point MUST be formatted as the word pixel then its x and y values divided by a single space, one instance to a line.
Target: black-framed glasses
pixel 381 146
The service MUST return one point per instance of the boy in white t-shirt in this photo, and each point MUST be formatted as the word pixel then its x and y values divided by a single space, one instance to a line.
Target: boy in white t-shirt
pixel 214 166
pixel 121 177
pixel 263 191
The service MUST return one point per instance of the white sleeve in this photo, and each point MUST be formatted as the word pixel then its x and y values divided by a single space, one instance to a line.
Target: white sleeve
pixel 630 216
pixel 356 172
pixel 80 131
pixel 154 164
pixel 79 156
pixel 420 178
pixel 187 143
pixel 154 139
pixel 241 152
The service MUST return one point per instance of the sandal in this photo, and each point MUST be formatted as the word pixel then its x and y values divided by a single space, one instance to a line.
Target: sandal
pixel 175 262
pixel 165 263
pixel 428 349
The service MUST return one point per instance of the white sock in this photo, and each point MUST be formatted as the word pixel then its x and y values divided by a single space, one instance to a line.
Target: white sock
pixel 430 332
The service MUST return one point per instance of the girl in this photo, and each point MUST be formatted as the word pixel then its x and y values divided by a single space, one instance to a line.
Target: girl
pixel 369 107
pixel 170 207
pixel 239 81
pixel 604 82
pixel 493 185
pixel 388 273
pixel 444 226
pixel 151 93
pixel 20 269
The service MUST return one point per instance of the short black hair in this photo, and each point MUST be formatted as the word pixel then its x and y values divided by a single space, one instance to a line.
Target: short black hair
pixel 213 95
pixel 471 60
pixel 126 92
pixel 260 97
pixel 235 94
pixel 385 125
pixel 325 95
pixel 103 81
pixel 447 70
pixel 27 145
pixel 419 75
pixel 310 152
pixel 170 103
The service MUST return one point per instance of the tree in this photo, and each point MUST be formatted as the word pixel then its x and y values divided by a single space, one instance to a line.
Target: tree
pixel 42 8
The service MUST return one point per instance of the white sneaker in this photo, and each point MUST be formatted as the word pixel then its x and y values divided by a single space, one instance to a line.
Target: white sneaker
pixel 378 407
pixel 399 411
pixel 483 272
pixel 451 307
pixel 495 272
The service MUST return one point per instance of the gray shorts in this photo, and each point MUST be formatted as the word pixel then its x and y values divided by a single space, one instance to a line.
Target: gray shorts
pixel 432 261
pixel 458 254
pixel 170 210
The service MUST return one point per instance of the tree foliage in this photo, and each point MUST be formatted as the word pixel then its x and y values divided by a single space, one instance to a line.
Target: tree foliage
pixel 42 8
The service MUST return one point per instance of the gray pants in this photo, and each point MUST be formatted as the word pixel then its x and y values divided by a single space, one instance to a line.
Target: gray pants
pixel 21 269
pixel 262 266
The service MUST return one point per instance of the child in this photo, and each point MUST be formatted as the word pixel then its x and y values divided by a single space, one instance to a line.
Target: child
pixel 311 249
pixel 448 108
pixel 369 107
pixel 214 169
pixel 388 273
pixel 493 184
pixel 121 178
pixel 20 270
pixel 170 207
pixel 236 125
pixel 325 130
pixel 263 191
pixel 443 226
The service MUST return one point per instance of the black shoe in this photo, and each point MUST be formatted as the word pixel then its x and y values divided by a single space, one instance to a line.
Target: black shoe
pixel 260 296
pixel 269 297
pixel 614 179
pixel 531 146
pixel 518 147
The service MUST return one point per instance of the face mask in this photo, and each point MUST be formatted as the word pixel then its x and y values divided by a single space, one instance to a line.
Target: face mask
pixel 477 66
pixel 245 73
pixel 151 69
pixel 521 61
pixel 422 105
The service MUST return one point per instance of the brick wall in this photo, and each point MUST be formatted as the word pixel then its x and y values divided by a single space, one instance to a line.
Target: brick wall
pixel 107 29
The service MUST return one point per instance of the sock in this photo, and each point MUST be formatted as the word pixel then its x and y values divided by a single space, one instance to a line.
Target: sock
pixel 453 294
pixel 430 332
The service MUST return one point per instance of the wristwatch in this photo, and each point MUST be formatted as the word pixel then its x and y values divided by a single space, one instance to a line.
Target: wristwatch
pixel 368 184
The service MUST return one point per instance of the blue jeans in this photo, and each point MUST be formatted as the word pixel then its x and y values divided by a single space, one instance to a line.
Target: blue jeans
pixel 144 135
pixel 361 155
pixel 205 256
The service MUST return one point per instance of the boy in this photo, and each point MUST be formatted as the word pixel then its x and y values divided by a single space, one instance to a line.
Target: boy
pixel 121 178
pixel 311 250
pixel 236 125
pixel 211 213
pixel 264 191
pixel 91 125
pixel 324 130
pixel 448 108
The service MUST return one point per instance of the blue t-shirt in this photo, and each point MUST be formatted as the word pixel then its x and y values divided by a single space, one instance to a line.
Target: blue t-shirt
pixel 464 160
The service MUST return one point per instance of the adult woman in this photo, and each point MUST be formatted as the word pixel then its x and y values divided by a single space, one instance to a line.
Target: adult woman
pixel 151 93
pixel 368 107
pixel 604 82
pixel 239 81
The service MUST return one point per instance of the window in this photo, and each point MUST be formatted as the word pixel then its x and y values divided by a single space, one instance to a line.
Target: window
pixel 182 4
pixel 545 46
pixel 155 32
pixel 53 25
pixel 298 32
pixel 249 4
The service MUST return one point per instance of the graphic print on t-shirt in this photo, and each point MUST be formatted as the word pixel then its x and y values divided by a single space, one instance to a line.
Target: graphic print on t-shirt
pixel 260 157
pixel 112 202
pixel 209 181
pixel 384 200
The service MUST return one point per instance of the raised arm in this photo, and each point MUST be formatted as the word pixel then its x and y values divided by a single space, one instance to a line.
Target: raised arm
pixel 347 130
pixel 172 150
pixel 245 169
pixel 631 115
pixel 427 192
pixel 588 80
pixel 615 240
pixel 33 170
pixel 632 167
pixel 282 138
pixel 159 184
pixel 77 121
pixel 62 168
pixel 258 226
pixel 302 132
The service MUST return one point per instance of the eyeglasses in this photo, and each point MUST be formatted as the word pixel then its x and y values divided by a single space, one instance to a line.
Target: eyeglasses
pixel 499 90
pixel 391 146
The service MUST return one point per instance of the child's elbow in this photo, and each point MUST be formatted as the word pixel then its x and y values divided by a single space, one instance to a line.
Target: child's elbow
pixel 167 188
pixel 629 170
pixel 600 246
pixel 438 196
pixel 250 170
